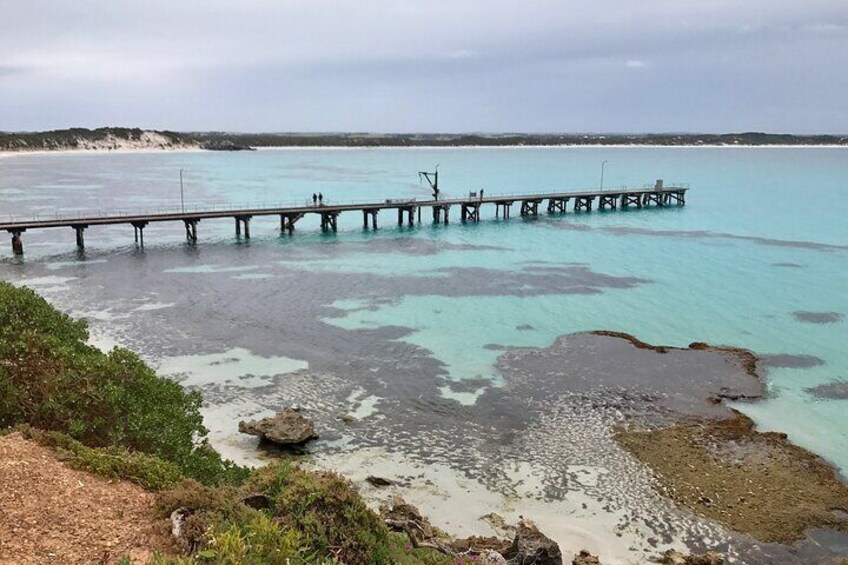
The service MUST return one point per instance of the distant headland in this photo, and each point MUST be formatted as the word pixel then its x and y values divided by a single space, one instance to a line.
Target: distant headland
pixel 117 139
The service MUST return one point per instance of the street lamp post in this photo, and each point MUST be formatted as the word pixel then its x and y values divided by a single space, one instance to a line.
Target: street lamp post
pixel 603 164
pixel 182 193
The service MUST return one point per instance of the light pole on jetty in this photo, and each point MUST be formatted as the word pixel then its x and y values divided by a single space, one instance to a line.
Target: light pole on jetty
pixel 432 180
pixel 603 164
pixel 182 194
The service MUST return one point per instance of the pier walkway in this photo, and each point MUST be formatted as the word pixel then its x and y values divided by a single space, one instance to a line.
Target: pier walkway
pixel 407 211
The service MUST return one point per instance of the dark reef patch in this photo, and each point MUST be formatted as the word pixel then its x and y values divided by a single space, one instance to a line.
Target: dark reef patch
pixel 788 265
pixel 837 390
pixel 702 234
pixel 818 317
pixel 789 361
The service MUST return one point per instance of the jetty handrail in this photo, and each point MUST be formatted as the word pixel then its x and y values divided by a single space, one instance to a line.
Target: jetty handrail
pixel 265 205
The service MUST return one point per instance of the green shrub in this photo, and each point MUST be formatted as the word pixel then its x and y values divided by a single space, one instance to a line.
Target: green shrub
pixel 52 379
pixel 325 510
pixel 113 462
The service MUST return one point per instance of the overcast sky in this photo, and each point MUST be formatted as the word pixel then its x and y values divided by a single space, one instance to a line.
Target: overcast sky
pixel 427 65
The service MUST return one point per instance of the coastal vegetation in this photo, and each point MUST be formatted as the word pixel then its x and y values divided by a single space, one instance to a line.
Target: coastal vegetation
pixel 110 414
pixel 117 138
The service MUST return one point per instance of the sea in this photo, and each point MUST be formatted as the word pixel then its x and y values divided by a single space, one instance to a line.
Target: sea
pixel 390 338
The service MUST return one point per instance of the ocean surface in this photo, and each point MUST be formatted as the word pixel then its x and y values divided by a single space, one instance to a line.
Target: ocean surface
pixel 402 327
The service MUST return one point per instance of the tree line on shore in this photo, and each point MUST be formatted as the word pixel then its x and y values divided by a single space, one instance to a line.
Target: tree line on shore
pixel 74 138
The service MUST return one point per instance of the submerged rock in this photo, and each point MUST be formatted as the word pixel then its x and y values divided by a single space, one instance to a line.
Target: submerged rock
pixel 288 427
pixel 532 547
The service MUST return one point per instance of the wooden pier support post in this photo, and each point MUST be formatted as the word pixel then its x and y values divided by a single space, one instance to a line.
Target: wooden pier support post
pixel 530 207
pixel 655 197
pixel 400 217
pixel 246 221
pixel 507 208
pixel 238 227
pixel 79 236
pixel 608 200
pixel 373 215
pixel 419 214
pixel 557 205
pixel 17 242
pixel 287 222
pixel 328 221
pixel 138 230
pixel 191 230
pixel 410 212
pixel 583 203
pixel 628 199
pixel 471 212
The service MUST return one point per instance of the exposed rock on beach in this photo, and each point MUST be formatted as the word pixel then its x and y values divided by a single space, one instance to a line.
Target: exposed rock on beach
pixel 288 428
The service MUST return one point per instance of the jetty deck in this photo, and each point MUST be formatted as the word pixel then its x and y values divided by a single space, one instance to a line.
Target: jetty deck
pixel 407 211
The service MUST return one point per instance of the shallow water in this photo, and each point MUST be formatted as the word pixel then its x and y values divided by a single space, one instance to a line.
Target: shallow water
pixel 413 320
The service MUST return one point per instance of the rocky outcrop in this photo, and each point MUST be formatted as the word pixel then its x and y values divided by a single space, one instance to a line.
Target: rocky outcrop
pixel 288 428
pixel 585 558
pixel 532 547
pixel 401 516
pixel 674 557
pixel 378 481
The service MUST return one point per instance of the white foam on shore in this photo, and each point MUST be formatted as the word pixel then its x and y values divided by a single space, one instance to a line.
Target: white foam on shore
pixel 209 269
pixel 47 284
pixel 236 367
pixel 103 341
pixel 151 306
pixel 363 406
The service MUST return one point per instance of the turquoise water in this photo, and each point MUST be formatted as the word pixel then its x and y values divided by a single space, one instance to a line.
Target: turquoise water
pixel 764 234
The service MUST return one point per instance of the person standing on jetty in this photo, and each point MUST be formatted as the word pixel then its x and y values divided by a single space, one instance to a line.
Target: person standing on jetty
pixel 314 199
pixel 320 199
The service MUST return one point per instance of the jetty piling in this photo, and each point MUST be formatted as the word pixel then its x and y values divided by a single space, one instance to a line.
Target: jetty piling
pixel 471 206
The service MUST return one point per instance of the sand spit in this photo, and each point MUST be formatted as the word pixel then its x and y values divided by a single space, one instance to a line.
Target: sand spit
pixel 147 141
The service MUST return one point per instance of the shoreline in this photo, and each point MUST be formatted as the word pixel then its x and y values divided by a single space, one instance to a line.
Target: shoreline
pixel 152 150
pixel 457 503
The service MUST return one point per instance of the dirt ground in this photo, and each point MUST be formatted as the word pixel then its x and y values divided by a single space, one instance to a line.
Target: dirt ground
pixel 50 513
pixel 755 483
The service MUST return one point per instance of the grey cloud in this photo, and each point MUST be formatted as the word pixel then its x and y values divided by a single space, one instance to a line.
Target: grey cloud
pixel 382 65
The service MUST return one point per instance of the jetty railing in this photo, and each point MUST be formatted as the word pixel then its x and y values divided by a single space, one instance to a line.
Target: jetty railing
pixel 291 212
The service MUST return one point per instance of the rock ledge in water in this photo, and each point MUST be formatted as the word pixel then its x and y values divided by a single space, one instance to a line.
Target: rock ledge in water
pixel 288 427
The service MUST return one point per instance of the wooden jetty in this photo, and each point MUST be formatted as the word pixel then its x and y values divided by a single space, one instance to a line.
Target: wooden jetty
pixel 407 211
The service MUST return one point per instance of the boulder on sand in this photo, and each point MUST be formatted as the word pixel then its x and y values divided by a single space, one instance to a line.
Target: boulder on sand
pixel 585 558
pixel 288 427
